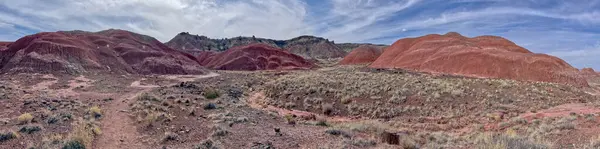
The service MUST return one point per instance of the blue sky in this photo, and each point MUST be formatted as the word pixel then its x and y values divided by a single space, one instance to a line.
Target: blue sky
pixel 566 29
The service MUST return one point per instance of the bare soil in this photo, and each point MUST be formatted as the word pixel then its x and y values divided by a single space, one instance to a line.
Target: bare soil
pixel 331 107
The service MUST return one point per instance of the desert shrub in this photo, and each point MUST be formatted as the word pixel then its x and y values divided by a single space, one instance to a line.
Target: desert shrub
pixel 488 141
pixel 96 130
pixel 29 129
pixel 82 135
pixel 235 92
pixel 53 139
pixel 150 119
pixel 147 97
pixel 327 109
pixel 211 94
pixel 363 143
pixel 95 111
pixel 219 132
pixel 594 144
pixel 346 100
pixel 337 132
pixel 565 123
pixel 52 119
pixel 290 119
pixel 259 145
pixel 67 116
pixel 170 136
pixel 322 123
pixel 210 106
pixel 207 144
pixel 365 126
pixel 8 135
pixel 25 118
pixel 74 144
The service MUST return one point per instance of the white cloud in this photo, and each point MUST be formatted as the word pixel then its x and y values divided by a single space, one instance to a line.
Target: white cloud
pixel 478 15
pixel 163 19
pixel 5 25
pixel 356 18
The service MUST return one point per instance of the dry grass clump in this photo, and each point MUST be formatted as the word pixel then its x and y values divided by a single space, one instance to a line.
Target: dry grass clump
pixel 24 118
pixel 8 135
pixel 29 129
pixel 386 93
pixel 208 144
pixel 211 93
pixel 148 119
pixel 539 128
pixel 83 134
pixel 594 144
pixel 366 126
pixel 512 141
pixel 361 143
pixel 52 140
pixel 147 97
pixel 95 112
pixel 290 119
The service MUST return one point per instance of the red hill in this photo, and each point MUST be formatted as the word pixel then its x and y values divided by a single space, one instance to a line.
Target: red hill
pixel 362 55
pixel 254 57
pixel 483 56
pixel 204 57
pixel 589 72
pixel 116 51
pixel 4 45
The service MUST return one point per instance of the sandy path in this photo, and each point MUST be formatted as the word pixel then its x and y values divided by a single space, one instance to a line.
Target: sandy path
pixel 119 130
pixel 562 111
pixel 44 85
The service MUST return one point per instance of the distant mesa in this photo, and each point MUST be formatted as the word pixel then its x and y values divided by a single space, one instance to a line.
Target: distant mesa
pixel 348 47
pixel 114 51
pixel 364 54
pixel 483 56
pixel 251 57
pixel 309 47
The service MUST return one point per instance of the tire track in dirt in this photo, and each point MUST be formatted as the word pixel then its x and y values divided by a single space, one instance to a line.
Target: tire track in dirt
pixel 256 101
pixel 119 130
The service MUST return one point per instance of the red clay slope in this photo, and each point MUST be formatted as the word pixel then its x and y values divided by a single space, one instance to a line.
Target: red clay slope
pixel 204 57
pixel 255 57
pixel 4 45
pixel 115 51
pixel 364 54
pixel 589 72
pixel 483 56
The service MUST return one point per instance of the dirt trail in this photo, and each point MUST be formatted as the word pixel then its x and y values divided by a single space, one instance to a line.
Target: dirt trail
pixel 562 110
pixel 44 85
pixel 119 130
pixel 78 82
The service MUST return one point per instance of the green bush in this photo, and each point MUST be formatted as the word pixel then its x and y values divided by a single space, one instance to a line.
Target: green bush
pixel 74 144
pixel 210 106
pixel 29 129
pixel 7 136
pixel 322 123
pixel 211 94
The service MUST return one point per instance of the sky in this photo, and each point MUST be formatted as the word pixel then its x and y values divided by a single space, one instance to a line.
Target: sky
pixel 568 29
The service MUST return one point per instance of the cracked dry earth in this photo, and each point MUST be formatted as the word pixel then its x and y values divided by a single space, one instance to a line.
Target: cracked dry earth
pixel 332 107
